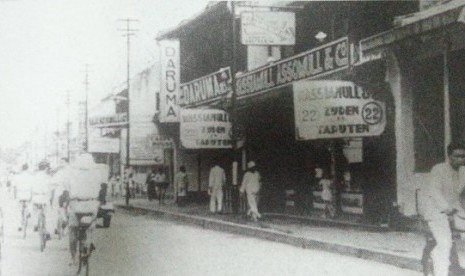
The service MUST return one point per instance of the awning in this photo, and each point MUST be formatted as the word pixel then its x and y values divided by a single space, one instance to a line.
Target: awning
pixel 417 23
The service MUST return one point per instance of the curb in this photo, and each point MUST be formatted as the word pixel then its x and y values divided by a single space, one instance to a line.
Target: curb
pixel 281 237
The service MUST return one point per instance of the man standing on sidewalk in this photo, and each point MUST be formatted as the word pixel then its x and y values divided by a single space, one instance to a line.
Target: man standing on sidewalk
pixel 216 181
pixel 447 181
pixel 251 184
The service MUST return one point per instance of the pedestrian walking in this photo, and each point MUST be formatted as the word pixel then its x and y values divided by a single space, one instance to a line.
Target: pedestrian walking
pixel 150 182
pixel 216 182
pixel 327 197
pixel 181 182
pixel 161 184
pixel 119 187
pixel 251 184
pixel 127 184
pixel 112 182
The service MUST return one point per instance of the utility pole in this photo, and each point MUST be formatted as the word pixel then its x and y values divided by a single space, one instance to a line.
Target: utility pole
pixel 68 125
pixel 128 32
pixel 86 114
pixel 235 199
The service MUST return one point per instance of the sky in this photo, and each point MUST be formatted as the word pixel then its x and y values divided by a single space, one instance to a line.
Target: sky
pixel 46 44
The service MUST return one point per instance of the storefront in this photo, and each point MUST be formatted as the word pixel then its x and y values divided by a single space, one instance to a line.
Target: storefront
pixel 425 59
pixel 299 115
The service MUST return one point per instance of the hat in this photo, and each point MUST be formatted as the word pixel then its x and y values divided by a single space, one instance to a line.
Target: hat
pixel 251 164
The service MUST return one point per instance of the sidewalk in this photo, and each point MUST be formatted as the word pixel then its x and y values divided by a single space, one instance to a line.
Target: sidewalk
pixel 402 249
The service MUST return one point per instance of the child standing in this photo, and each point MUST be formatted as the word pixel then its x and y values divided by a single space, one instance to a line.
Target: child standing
pixel 327 197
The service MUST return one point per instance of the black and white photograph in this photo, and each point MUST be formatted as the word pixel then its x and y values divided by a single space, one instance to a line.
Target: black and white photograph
pixel 197 138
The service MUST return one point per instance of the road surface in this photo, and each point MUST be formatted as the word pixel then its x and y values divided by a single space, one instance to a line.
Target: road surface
pixel 141 245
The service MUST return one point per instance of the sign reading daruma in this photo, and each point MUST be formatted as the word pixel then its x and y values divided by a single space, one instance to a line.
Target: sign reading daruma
pixel 205 128
pixel 336 109
pixel 170 81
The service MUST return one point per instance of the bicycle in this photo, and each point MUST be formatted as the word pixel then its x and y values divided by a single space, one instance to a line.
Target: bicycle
pixel 43 235
pixel 426 260
pixel 83 248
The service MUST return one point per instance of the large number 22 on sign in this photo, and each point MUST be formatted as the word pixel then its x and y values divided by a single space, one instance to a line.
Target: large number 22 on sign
pixel 372 113
pixel 309 115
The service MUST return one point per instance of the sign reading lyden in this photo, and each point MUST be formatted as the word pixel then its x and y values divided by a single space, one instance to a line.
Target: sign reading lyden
pixel 336 109
pixel 117 120
pixel 207 88
pixel 329 58
pixel 170 81
pixel 205 128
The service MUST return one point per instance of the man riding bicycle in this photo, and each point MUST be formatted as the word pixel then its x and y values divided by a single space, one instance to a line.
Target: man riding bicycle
pixel 446 182
pixel 41 196
pixel 23 186
pixel 76 207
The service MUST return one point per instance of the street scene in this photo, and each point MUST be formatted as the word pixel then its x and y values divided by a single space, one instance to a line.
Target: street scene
pixel 232 137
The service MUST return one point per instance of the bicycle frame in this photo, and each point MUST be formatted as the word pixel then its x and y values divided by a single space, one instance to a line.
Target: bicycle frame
pixel 83 249
pixel 42 227
pixel 24 217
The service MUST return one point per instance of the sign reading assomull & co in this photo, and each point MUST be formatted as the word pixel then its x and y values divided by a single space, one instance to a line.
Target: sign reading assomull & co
pixel 324 60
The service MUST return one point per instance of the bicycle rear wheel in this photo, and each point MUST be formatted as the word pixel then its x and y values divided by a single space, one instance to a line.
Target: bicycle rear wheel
pixel 25 219
pixel 42 232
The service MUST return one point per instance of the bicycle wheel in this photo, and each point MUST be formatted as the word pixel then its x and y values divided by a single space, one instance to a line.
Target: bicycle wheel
pixel 426 260
pixel 42 232
pixel 87 265
pixel 25 219
pixel 428 269
pixel 60 228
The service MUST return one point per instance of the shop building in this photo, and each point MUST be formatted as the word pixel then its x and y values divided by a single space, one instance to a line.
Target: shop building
pixel 265 79
pixel 424 56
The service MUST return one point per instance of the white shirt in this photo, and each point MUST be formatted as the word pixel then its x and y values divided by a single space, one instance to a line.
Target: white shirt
pixel 217 177
pixel 445 185
pixel 159 178
pixel 251 182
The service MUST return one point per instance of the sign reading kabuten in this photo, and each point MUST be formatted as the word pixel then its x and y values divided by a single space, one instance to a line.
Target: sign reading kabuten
pixel 268 28
pixel 170 81
pixel 205 128
pixel 336 109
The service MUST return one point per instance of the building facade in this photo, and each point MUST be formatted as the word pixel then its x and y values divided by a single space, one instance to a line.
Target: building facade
pixel 268 117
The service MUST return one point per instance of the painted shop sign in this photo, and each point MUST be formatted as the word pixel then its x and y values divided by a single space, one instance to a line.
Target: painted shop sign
pixel 268 28
pixel 170 81
pixel 327 59
pixel 207 88
pixel 161 142
pixel 117 120
pixel 103 145
pixel 336 109
pixel 205 128
pixel 143 152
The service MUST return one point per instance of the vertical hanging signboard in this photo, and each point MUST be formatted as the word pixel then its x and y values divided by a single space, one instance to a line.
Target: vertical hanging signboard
pixel 336 109
pixel 170 81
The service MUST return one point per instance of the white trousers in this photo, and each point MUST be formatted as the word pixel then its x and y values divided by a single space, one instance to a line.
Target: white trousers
pixel 440 255
pixel 252 200
pixel 216 200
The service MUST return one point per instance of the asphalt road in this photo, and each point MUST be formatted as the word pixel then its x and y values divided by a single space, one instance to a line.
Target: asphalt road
pixel 141 245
